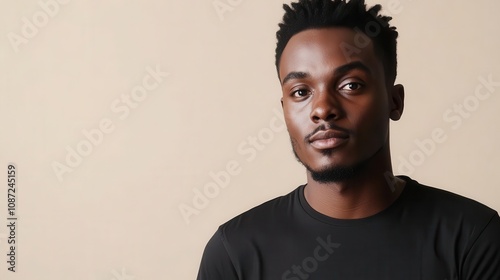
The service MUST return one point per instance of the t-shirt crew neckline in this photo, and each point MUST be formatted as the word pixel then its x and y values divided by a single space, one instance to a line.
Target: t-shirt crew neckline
pixel 409 185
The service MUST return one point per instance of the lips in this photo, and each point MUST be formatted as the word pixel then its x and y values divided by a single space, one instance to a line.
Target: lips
pixel 328 139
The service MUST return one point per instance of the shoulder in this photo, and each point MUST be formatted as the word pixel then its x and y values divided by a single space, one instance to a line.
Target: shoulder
pixel 454 223
pixel 231 247
pixel 440 201
pixel 235 242
pixel 262 216
pixel 450 215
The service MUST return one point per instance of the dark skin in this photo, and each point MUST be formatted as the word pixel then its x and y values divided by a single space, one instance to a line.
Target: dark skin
pixel 337 109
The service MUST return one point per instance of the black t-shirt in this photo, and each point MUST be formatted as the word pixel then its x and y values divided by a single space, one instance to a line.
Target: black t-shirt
pixel 425 234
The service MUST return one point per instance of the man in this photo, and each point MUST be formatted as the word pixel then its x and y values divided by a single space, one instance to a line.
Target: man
pixel 353 219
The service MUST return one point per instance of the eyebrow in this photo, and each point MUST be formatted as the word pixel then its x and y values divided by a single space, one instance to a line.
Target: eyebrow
pixel 339 71
pixel 295 76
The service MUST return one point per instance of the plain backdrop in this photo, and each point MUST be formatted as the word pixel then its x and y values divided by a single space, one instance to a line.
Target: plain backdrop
pixel 109 148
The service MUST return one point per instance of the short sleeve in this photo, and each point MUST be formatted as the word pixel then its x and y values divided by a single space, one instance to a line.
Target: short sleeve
pixel 216 263
pixel 483 260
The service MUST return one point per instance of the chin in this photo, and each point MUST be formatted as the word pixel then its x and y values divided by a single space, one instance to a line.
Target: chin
pixel 333 174
pixel 329 172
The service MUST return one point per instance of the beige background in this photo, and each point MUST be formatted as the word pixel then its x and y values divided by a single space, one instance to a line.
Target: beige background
pixel 116 214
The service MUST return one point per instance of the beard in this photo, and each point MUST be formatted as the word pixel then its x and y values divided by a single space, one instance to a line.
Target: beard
pixel 332 174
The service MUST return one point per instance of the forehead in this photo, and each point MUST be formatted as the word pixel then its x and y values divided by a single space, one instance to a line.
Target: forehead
pixel 325 49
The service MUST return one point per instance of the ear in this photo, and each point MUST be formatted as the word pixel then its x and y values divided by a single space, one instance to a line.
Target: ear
pixel 397 102
pixel 281 102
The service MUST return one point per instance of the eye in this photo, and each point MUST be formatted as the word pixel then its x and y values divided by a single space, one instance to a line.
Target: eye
pixel 351 86
pixel 300 93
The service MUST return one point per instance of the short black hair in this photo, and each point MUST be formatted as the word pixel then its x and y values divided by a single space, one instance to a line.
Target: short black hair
pixel 315 14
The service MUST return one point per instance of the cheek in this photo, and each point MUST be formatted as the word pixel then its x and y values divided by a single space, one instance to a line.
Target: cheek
pixel 295 144
pixel 296 128
pixel 373 124
pixel 293 131
pixel 292 119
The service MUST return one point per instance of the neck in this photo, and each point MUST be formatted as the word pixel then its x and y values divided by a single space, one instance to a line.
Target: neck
pixel 372 190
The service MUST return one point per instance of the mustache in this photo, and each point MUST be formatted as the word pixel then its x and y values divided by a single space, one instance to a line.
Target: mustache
pixel 325 126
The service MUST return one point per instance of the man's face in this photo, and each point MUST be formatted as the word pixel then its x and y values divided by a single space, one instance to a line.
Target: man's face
pixel 335 100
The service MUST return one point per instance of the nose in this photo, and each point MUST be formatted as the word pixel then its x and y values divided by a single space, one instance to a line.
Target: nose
pixel 325 107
